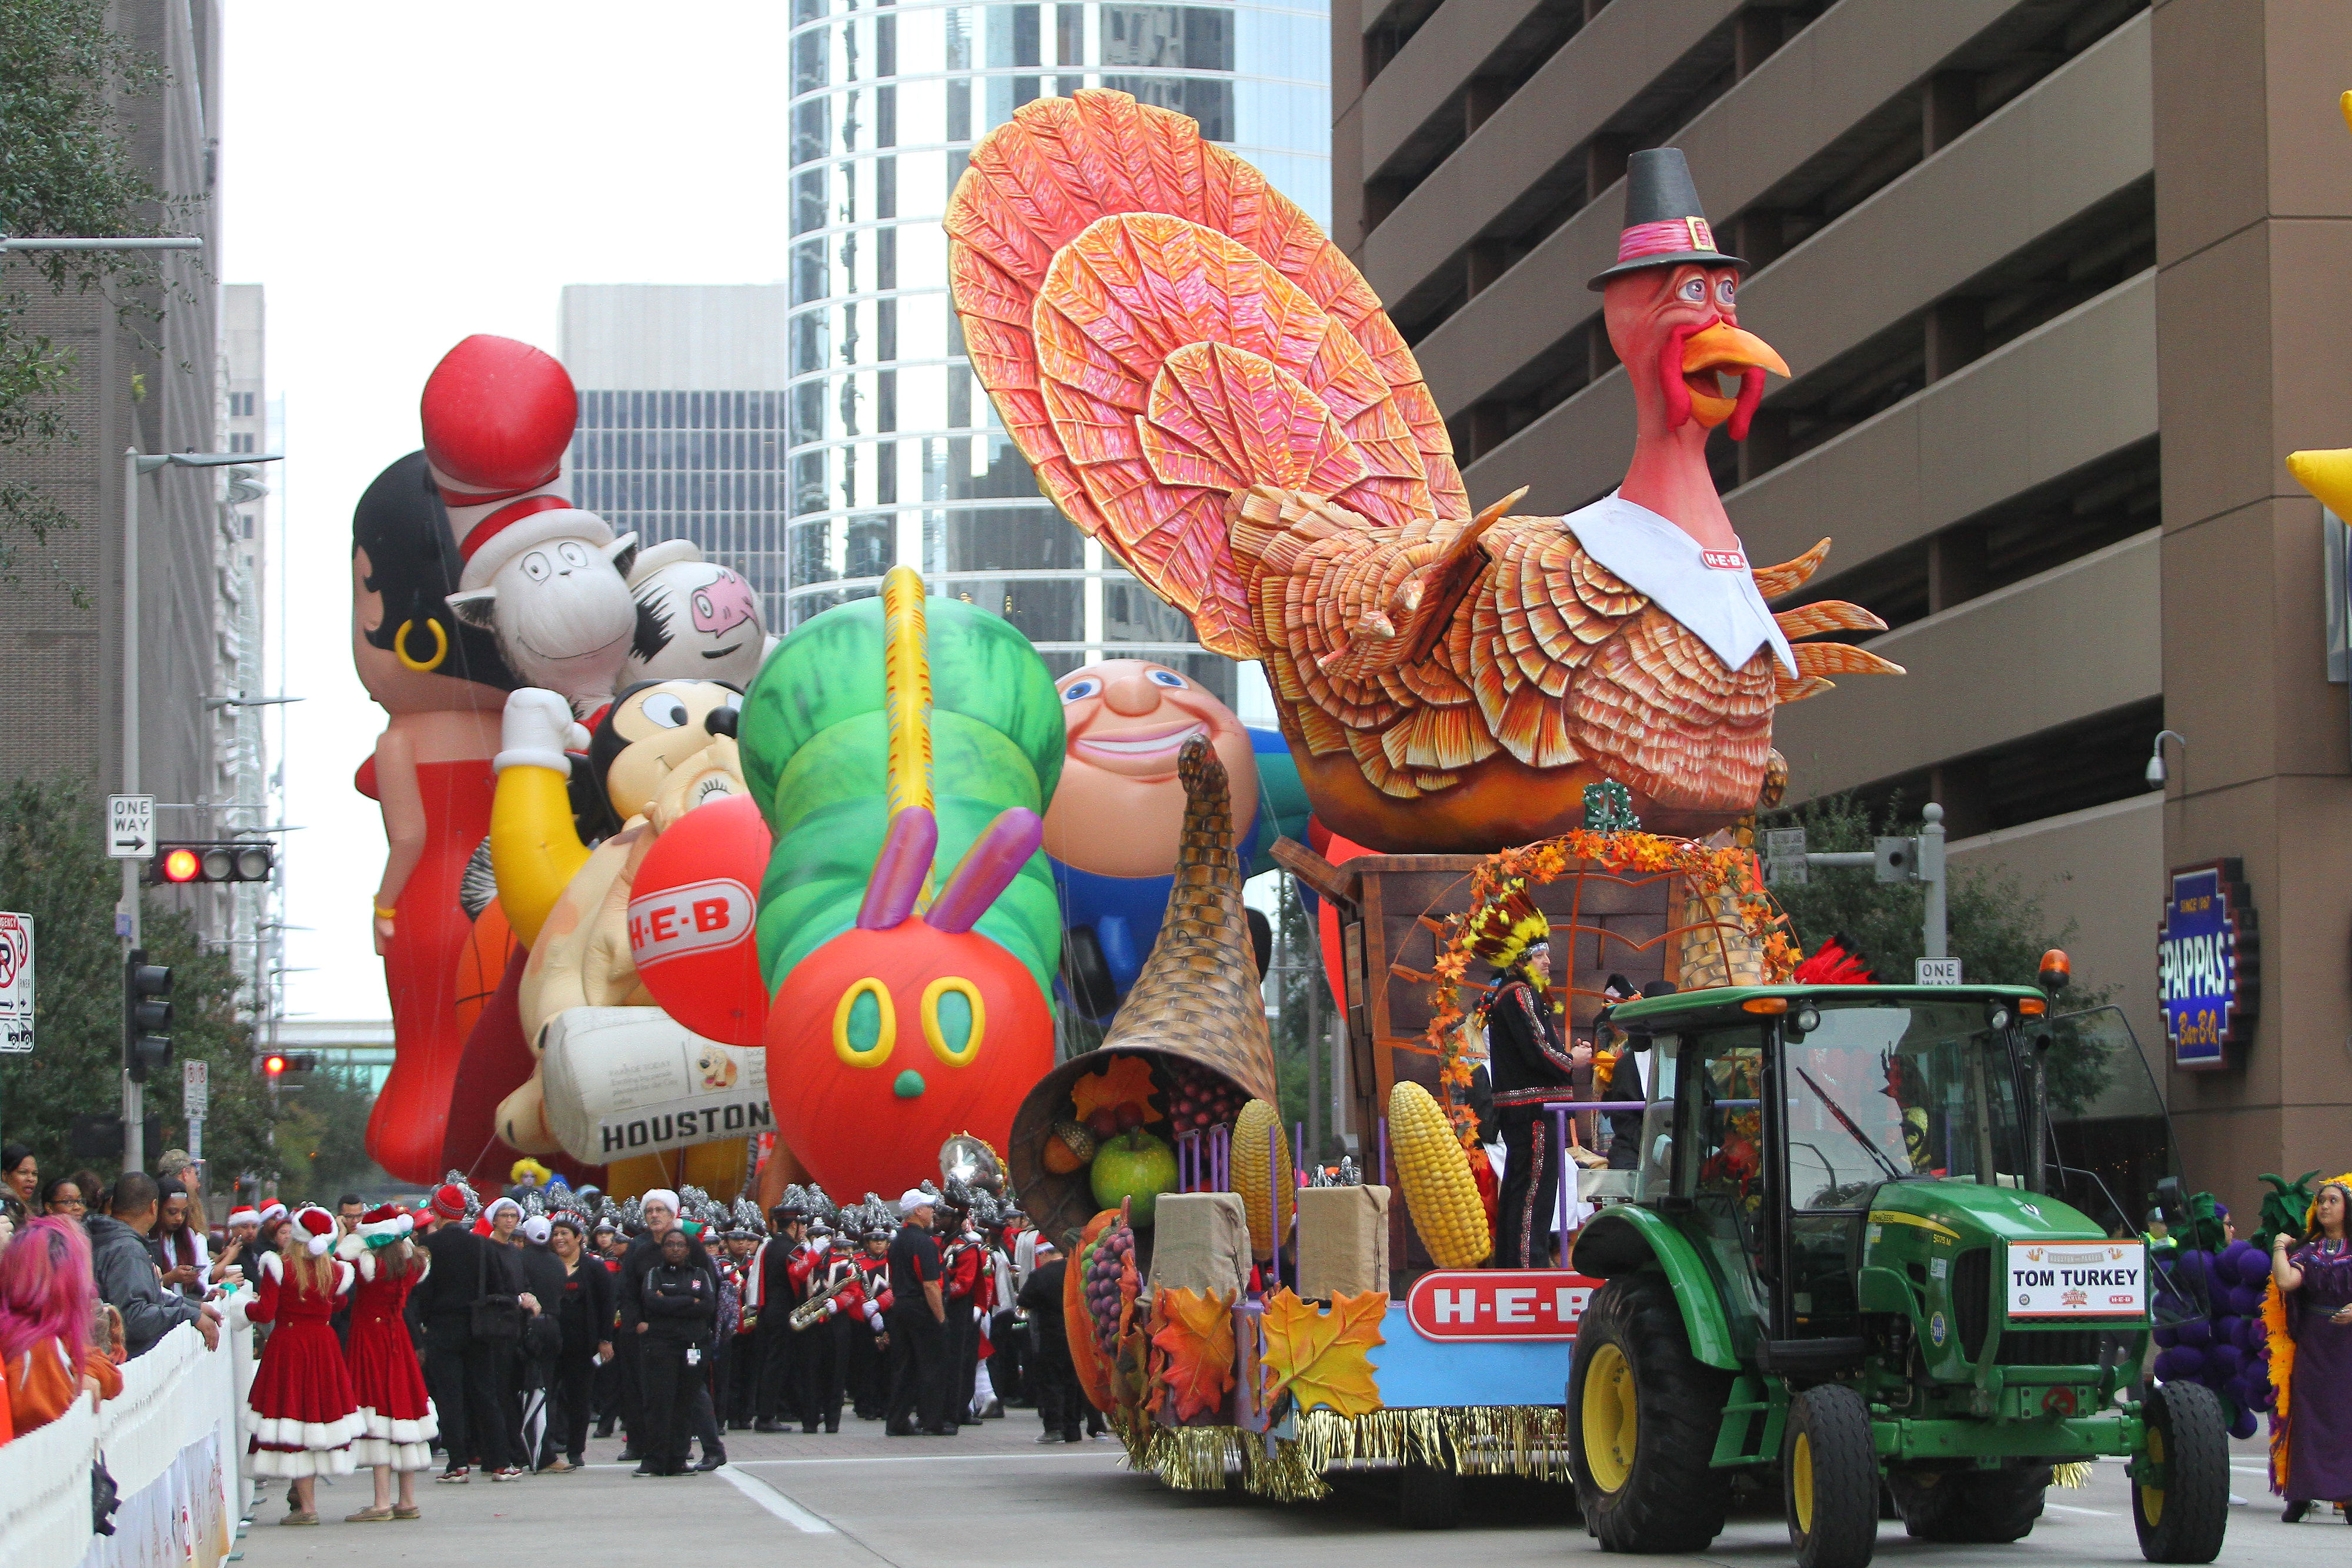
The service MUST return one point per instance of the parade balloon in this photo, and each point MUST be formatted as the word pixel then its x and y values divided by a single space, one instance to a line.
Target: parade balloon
pixel 692 920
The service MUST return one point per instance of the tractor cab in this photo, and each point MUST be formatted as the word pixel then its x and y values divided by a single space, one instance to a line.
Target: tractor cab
pixel 1882 1236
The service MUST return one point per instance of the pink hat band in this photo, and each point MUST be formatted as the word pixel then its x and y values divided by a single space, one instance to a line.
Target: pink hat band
pixel 1672 236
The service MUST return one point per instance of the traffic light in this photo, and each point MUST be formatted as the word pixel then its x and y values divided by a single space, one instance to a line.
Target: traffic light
pixel 179 865
pixel 146 1015
pixel 278 1064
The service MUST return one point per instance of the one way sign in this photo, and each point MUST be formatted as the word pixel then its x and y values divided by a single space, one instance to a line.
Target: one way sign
pixel 130 827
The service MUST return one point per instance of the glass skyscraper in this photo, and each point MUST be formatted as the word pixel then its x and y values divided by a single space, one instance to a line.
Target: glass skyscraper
pixel 892 451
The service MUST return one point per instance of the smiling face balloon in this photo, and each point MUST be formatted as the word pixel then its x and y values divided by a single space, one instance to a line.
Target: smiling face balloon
pixel 1119 807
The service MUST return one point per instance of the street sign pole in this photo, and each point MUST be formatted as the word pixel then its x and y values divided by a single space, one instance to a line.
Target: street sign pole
pixel 195 1101
pixel 1919 860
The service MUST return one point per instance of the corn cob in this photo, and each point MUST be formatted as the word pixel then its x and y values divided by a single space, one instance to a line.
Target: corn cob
pixel 1439 1190
pixel 1258 1139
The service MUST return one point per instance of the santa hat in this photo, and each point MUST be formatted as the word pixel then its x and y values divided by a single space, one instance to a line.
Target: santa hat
pixel 317 1227
pixel 449 1200
pixel 244 1214
pixel 385 1224
pixel 491 1210
pixel 273 1214
pixel 659 1195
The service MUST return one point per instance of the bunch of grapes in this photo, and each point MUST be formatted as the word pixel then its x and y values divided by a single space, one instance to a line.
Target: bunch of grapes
pixel 1198 1099
pixel 1104 1266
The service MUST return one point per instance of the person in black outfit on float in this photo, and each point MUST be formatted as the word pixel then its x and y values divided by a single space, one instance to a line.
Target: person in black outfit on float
pixel 919 1337
pixel 1624 1081
pixel 1531 1065
pixel 679 1308
pixel 1053 1377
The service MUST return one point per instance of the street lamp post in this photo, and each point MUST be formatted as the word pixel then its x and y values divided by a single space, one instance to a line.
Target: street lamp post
pixel 135 466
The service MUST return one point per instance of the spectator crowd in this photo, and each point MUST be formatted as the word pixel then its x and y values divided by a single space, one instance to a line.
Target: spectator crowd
pixel 464 1338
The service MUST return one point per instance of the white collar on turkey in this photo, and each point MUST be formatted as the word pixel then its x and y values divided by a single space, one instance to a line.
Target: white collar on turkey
pixel 1720 605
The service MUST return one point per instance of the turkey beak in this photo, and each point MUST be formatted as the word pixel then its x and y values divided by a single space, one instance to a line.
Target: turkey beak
pixel 1726 348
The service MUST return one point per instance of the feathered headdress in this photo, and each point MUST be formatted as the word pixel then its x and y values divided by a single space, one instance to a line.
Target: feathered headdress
pixel 1836 962
pixel 1502 930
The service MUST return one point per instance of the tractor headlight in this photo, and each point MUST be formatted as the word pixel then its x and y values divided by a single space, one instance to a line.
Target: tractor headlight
pixel 1808 1018
pixel 1997 1018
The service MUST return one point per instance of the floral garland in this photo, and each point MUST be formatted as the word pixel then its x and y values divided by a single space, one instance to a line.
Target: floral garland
pixel 1708 871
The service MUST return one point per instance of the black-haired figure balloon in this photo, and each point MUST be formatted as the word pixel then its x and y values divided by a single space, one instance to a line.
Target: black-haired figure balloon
pixel 442 685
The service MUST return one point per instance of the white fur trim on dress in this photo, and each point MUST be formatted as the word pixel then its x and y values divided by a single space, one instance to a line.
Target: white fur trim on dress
pixel 368 1452
pixel 389 1428
pixel 278 1432
pixel 276 1464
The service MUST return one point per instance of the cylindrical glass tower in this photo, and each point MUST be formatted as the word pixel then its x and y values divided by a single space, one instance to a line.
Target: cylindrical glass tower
pixel 894 452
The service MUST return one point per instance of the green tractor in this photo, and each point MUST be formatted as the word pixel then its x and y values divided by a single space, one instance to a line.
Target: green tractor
pixel 1877 1248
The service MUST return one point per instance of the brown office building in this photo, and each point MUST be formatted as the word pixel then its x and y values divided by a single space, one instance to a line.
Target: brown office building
pixel 2061 282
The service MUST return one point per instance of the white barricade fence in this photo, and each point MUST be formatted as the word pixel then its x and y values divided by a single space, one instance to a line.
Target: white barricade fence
pixel 171 1441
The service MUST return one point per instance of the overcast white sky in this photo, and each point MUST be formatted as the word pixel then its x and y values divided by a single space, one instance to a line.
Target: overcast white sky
pixel 398 177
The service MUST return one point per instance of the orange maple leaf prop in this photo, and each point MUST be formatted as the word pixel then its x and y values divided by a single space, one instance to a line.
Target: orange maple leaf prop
pixel 1194 1333
pixel 1093 1368
pixel 1125 1080
pixel 1317 1357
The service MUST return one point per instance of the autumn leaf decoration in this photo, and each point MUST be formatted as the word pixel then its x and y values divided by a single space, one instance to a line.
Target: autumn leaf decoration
pixel 1194 1332
pixel 1124 1080
pixel 1319 1358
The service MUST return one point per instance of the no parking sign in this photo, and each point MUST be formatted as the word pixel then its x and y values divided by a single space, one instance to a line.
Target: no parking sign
pixel 16 982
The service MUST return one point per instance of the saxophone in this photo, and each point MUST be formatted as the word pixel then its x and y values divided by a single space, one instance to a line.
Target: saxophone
pixel 809 1313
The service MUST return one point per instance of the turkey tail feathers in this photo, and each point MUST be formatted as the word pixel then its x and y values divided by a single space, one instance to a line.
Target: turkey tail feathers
pixel 1159 327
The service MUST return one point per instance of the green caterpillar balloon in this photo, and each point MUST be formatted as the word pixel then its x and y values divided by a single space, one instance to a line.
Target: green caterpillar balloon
pixel 886 740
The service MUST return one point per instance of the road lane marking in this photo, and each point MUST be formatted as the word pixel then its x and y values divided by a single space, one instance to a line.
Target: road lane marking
pixel 774 1501
pixel 2054 1507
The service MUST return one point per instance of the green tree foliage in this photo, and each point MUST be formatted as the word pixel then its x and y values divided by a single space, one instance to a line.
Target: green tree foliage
pixel 322 1137
pixel 1996 929
pixel 53 867
pixel 66 168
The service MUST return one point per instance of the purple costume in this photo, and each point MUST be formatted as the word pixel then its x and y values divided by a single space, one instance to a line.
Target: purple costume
pixel 2319 1425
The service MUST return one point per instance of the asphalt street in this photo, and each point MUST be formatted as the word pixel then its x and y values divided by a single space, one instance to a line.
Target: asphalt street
pixel 992 1496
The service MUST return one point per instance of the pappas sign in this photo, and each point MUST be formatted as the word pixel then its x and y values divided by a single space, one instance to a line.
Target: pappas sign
pixel 2206 965
pixel 1498 1304
pixel 2077 1279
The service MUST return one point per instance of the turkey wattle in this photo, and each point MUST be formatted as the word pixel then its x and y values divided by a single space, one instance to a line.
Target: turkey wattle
pixel 1204 384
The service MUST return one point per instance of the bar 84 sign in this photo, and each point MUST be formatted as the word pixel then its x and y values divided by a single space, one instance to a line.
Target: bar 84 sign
pixel 2208 969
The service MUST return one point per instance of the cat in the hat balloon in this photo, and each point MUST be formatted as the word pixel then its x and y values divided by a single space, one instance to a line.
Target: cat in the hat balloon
pixel 547 580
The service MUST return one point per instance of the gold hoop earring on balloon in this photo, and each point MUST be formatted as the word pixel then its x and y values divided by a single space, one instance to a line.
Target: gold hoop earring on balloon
pixel 440 647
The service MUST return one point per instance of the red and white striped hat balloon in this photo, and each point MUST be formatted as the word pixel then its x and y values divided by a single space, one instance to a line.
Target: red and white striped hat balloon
pixel 498 415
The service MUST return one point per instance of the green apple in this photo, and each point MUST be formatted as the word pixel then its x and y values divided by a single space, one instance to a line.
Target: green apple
pixel 1137 1166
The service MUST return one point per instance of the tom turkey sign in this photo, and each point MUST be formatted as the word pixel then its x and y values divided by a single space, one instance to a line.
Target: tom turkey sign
pixel 1498 1304
pixel 2207 972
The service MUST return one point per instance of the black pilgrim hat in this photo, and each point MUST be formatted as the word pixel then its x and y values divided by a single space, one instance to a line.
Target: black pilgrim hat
pixel 1664 224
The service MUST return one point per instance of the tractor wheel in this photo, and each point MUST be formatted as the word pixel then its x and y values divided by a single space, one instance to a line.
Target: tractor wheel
pixel 1829 1470
pixel 2182 1510
pixel 1429 1497
pixel 1642 1418
pixel 1981 1508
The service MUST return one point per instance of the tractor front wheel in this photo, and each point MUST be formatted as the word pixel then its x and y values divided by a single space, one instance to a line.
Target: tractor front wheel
pixel 2181 1494
pixel 1642 1414
pixel 1829 1470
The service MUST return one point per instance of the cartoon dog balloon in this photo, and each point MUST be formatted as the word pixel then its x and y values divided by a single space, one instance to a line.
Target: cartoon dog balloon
pixel 697 620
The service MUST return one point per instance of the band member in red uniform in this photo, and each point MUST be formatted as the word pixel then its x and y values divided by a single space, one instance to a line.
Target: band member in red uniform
pixel 962 1267
pixel 396 1416
pixel 825 1348
pixel 775 1298
pixel 813 1362
pixel 301 1411
pixel 868 1354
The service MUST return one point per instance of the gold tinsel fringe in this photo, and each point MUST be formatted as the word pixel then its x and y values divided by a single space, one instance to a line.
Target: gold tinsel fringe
pixel 1473 1440
pixel 2072 1474
pixel 1527 1440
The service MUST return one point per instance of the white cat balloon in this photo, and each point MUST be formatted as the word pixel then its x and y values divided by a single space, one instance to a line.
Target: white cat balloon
pixel 552 590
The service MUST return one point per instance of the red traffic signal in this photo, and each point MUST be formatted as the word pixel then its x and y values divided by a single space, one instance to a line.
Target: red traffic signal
pixel 232 862
pixel 280 1062
pixel 273 1065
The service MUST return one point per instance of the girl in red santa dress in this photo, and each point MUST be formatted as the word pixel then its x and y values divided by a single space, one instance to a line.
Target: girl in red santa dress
pixel 301 1410
pixel 395 1414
